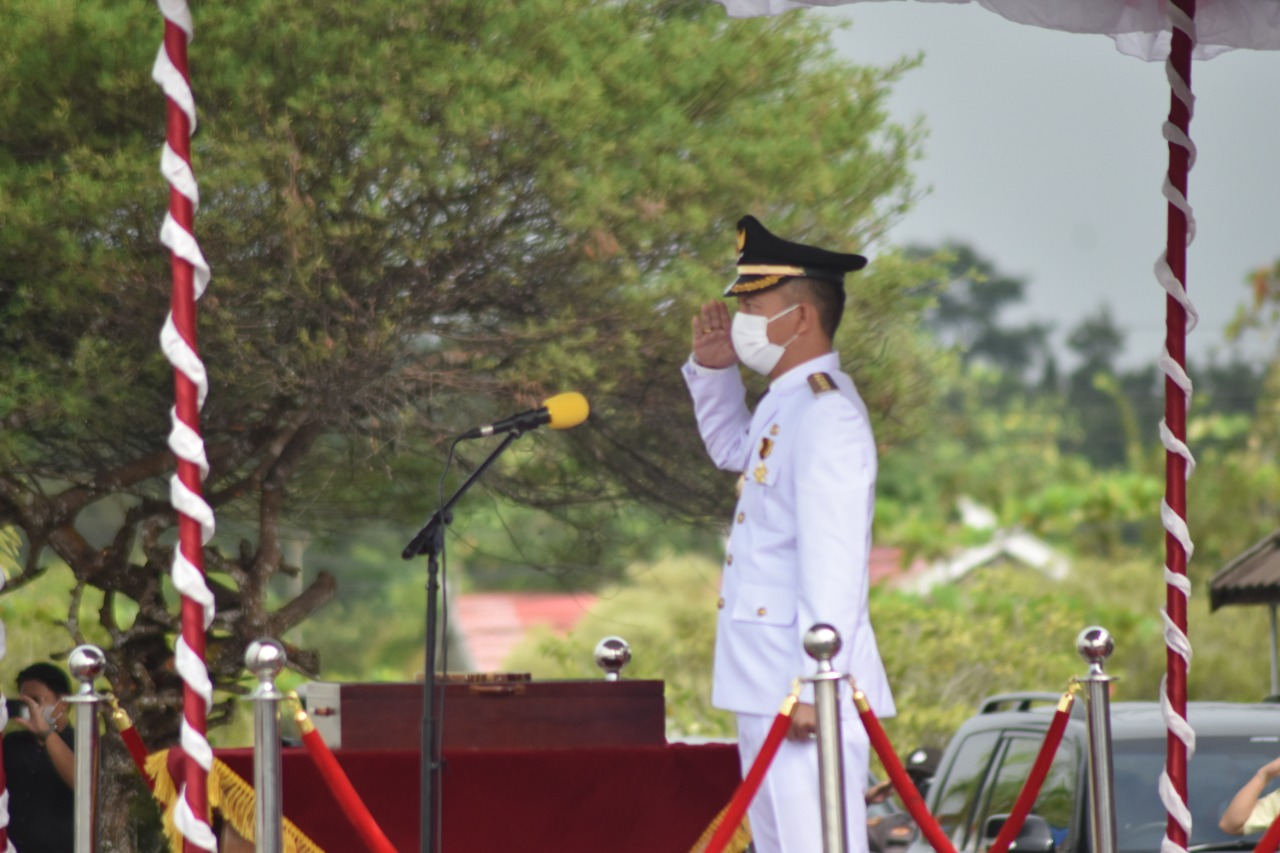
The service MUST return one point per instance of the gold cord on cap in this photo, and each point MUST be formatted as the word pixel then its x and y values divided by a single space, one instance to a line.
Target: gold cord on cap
pixel 769 269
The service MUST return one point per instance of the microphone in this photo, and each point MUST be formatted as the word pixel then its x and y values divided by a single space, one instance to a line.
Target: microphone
pixel 563 411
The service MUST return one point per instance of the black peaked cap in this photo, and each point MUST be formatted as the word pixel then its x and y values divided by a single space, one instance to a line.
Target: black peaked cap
pixel 765 261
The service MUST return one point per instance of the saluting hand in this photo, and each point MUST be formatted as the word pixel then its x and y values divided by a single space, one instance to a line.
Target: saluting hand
pixel 712 344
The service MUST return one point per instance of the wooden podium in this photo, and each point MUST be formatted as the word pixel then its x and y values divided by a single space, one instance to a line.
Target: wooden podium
pixel 494 713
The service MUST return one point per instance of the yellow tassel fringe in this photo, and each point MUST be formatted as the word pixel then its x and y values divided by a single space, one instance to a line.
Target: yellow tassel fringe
pixel 738 842
pixel 229 795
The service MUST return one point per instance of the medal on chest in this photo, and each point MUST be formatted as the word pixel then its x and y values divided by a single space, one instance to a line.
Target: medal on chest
pixel 761 473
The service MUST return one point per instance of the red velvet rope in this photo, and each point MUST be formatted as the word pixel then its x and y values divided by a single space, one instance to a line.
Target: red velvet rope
pixel 345 793
pixel 138 752
pixel 1039 770
pixel 902 783
pixel 750 784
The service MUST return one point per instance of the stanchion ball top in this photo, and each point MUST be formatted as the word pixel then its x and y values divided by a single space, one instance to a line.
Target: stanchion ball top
pixel 822 642
pixel 612 654
pixel 265 658
pixel 1095 644
pixel 86 662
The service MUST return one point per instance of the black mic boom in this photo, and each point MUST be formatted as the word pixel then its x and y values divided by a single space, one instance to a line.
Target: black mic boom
pixel 562 411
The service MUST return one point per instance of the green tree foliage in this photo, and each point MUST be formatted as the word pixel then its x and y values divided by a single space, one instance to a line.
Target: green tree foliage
pixel 1105 423
pixel 666 612
pixel 419 218
pixel 1001 629
pixel 1081 466
pixel 1235 494
pixel 1010 459
pixel 970 297
pixel 1005 628
pixel 1077 461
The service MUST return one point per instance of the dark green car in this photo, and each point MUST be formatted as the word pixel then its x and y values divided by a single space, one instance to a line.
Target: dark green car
pixel 986 763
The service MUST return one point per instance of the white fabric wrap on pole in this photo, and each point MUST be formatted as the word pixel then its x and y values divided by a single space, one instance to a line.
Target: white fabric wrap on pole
pixel 184 441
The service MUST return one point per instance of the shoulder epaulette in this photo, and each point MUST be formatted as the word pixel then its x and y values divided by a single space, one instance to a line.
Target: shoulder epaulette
pixel 821 383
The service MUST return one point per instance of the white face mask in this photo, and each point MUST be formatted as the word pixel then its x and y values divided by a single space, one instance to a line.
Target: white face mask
pixel 750 335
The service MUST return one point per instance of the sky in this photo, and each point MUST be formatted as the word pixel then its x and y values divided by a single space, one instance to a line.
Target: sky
pixel 1044 152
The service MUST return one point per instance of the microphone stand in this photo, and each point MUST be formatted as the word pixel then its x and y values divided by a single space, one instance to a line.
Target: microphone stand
pixel 430 541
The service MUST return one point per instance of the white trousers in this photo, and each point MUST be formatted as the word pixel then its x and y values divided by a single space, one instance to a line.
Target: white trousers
pixel 785 815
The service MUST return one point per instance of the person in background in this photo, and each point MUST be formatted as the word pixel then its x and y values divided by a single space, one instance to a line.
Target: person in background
pixel 1250 812
pixel 920 766
pixel 890 830
pixel 39 763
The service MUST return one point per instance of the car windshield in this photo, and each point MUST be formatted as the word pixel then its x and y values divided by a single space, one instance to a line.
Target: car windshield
pixel 1219 767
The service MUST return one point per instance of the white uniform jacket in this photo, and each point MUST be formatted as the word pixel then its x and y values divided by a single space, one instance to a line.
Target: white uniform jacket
pixel 801 533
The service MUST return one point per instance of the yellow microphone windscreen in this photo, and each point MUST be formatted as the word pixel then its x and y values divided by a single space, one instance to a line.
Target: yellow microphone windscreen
pixel 566 410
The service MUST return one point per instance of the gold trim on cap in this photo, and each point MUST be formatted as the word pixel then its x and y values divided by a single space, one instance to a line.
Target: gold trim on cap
pixel 769 269
pixel 753 286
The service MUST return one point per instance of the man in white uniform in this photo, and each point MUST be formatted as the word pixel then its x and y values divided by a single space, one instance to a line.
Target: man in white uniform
pixel 801 532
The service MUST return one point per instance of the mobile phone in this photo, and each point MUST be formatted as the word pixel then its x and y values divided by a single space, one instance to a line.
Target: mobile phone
pixel 17 708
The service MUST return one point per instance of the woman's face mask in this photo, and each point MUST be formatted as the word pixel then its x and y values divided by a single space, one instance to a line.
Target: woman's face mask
pixel 750 336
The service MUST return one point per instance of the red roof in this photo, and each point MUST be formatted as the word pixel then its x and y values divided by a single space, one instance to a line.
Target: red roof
pixel 492 624
pixel 885 566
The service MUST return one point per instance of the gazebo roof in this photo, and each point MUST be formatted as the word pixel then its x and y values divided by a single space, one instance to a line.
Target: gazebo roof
pixel 1251 578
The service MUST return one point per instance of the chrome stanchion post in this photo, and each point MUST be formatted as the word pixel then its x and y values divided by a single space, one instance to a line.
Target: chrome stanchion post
pixel 1095 645
pixel 265 659
pixel 822 643
pixel 86 664
pixel 612 655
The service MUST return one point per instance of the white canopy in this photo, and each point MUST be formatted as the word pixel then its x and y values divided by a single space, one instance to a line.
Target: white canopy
pixel 1139 27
